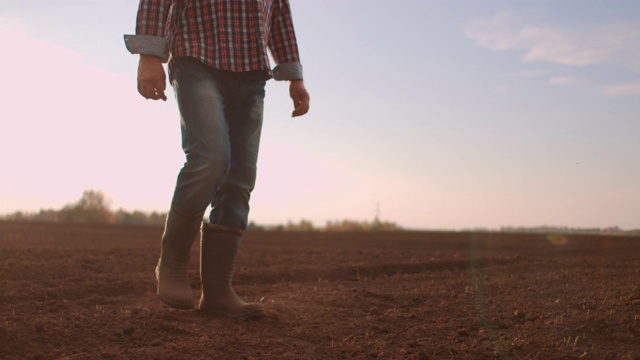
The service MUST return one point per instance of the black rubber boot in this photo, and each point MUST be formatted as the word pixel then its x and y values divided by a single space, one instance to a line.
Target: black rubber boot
pixel 218 253
pixel 172 271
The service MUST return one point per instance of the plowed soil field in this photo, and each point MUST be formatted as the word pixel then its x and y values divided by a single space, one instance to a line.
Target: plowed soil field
pixel 88 292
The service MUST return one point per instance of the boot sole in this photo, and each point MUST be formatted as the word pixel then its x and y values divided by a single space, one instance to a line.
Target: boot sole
pixel 254 315
pixel 176 305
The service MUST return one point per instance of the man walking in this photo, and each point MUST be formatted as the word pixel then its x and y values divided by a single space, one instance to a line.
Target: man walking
pixel 218 66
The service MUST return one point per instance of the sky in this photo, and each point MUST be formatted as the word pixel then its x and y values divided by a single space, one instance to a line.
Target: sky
pixel 431 114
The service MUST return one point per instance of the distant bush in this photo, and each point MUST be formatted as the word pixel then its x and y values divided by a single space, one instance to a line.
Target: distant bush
pixel 545 229
pixel 303 225
pixel 43 215
pixel 352 225
pixel 139 218
pixel 92 208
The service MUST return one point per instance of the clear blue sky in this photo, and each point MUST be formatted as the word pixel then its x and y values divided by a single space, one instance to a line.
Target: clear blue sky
pixel 448 114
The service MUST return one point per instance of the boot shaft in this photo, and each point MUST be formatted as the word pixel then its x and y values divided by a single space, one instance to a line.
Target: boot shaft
pixel 180 232
pixel 218 253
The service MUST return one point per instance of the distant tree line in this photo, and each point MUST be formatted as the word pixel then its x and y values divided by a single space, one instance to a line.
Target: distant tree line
pixel 567 230
pixel 95 208
pixel 336 225
pixel 92 208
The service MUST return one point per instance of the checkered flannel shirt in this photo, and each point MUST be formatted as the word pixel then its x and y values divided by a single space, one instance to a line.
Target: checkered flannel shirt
pixel 226 34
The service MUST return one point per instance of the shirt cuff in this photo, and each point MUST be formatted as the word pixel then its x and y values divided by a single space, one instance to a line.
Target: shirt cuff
pixel 288 71
pixel 147 45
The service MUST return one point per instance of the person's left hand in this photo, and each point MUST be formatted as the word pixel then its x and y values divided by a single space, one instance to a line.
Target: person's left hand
pixel 300 98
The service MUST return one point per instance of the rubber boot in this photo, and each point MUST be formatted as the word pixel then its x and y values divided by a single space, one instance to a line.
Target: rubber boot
pixel 172 272
pixel 218 253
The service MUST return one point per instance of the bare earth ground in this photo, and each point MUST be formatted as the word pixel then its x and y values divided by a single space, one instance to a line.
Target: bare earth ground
pixel 85 292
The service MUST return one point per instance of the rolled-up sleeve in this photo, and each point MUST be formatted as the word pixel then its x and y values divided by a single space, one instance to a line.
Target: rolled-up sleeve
pixel 283 44
pixel 150 29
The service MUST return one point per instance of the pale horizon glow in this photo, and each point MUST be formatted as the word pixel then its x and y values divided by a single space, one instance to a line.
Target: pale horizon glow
pixel 449 116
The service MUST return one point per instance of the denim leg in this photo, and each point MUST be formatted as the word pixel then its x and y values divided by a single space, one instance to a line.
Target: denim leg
pixel 244 111
pixel 200 94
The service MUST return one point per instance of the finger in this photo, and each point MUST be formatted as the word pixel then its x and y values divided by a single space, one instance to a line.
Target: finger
pixel 161 85
pixel 141 90
pixel 148 91
pixel 299 111
pixel 158 91
pixel 301 107
pixel 153 93
pixel 297 99
pixel 161 94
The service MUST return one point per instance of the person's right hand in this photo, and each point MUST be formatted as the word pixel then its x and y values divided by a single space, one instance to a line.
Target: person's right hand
pixel 152 80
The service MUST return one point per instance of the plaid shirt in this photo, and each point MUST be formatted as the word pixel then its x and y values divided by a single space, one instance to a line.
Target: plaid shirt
pixel 226 34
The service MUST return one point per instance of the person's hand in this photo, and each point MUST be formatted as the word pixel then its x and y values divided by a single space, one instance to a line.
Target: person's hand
pixel 152 80
pixel 300 98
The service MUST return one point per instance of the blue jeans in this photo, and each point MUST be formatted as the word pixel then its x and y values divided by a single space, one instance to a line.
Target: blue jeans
pixel 221 120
